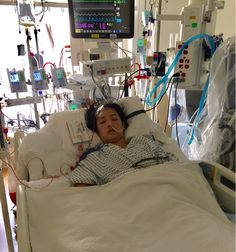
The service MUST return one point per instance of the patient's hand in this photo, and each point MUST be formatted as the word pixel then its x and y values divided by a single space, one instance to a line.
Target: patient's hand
pixel 79 154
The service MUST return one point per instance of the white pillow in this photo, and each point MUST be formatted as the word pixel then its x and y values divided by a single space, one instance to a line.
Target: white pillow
pixel 140 124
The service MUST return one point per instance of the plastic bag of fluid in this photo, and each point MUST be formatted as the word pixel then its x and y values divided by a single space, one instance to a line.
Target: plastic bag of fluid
pixel 141 86
pixel 25 13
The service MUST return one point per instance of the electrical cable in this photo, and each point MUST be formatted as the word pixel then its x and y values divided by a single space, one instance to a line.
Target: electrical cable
pixel 176 116
pixel 159 101
pixel 98 86
pixel 120 48
pixel 124 50
pixel 61 54
pixel 126 86
pixel 14 172
pixel 173 75
pixel 138 70
pixel 23 183
pixel 168 106
pixel 49 63
pixel 126 80
pixel 51 177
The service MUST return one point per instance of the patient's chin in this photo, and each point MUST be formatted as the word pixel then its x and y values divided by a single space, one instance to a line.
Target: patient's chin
pixel 113 138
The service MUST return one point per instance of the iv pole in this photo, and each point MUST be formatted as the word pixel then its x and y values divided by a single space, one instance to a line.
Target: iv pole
pixel 28 38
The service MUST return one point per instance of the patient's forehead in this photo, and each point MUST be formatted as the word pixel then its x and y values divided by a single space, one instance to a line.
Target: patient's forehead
pixel 106 112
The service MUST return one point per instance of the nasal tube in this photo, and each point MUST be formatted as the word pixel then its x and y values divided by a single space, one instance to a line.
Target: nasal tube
pixel 117 130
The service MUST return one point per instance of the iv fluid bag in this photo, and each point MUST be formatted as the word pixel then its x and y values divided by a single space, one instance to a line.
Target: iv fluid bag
pixel 26 17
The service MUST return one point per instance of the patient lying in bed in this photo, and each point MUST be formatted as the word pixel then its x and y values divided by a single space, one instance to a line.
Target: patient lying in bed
pixel 164 207
pixel 116 155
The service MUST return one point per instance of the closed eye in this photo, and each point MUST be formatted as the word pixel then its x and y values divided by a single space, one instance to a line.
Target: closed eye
pixel 102 122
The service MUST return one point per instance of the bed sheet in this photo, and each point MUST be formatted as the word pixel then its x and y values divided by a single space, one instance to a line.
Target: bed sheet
pixel 168 207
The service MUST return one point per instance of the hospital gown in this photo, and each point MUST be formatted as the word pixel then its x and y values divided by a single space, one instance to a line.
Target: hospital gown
pixel 110 161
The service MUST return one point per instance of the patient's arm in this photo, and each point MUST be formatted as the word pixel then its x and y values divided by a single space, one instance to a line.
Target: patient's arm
pixel 79 154
pixel 80 151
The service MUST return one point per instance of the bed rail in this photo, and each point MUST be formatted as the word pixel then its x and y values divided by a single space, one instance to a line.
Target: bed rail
pixel 222 181
pixel 22 221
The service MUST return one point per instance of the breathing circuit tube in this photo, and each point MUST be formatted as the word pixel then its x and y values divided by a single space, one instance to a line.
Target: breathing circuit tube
pixel 199 113
pixel 164 79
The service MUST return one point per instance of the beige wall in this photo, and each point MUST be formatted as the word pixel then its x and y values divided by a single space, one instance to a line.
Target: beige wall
pixel 225 21
pixel 168 27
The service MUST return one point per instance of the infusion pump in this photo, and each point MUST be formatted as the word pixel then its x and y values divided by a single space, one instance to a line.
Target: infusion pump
pixel 17 80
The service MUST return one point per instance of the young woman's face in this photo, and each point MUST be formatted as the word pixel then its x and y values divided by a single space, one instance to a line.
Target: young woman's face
pixel 109 126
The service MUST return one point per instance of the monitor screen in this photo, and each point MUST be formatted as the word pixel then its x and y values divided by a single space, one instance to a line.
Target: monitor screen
pixel 101 19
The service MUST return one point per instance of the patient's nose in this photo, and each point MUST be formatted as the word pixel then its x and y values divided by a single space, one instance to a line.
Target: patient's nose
pixel 109 122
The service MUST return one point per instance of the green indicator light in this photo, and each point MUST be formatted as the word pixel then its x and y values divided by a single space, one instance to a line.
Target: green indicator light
pixel 73 106
pixel 140 42
pixel 194 25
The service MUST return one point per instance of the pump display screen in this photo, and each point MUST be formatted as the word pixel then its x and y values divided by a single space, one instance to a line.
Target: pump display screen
pixel 101 19
pixel 14 78
pixel 37 76
pixel 40 79
pixel 60 74
pixel 17 81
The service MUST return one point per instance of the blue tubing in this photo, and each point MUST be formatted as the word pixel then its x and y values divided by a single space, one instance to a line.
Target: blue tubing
pixel 164 79
pixel 199 113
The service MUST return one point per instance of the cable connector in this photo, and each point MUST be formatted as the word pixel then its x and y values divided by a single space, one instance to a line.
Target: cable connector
pixel 151 19
pixel 176 74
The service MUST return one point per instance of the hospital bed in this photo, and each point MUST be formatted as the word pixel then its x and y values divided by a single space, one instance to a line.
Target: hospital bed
pixel 176 206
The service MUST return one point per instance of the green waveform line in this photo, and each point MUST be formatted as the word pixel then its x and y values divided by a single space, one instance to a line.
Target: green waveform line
pixel 100 1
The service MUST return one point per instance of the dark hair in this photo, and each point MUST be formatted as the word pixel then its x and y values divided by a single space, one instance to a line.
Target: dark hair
pixel 90 115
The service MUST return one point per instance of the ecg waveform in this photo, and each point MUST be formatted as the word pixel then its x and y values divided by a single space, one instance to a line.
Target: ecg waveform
pixel 96 14
pixel 106 7
pixel 95 19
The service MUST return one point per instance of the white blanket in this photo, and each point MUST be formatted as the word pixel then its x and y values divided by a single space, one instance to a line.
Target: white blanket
pixel 164 208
